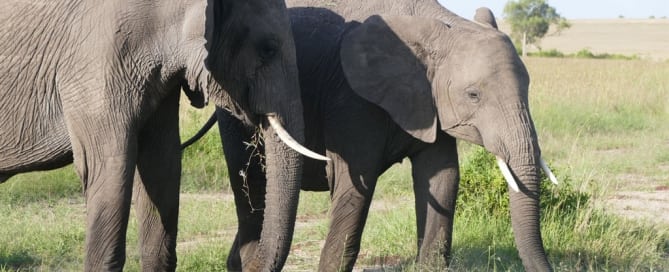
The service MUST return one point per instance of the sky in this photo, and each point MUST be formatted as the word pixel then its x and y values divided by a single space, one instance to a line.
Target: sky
pixel 573 9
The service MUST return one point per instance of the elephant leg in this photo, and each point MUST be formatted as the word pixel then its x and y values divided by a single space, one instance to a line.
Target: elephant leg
pixel 351 198
pixel 436 179
pixel 156 192
pixel 105 160
pixel 247 180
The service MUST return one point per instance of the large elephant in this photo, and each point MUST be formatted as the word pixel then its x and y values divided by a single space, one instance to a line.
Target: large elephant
pixel 395 87
pixel 98 83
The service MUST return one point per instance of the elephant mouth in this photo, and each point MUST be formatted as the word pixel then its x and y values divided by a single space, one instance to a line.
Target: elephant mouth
pixel 471 134
pixel 468 133
pixel 511 180
pixel 290 141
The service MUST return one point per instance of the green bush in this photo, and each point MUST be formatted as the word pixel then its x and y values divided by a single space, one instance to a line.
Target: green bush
pixel 553 53
pixel 583 53
pixel 484 190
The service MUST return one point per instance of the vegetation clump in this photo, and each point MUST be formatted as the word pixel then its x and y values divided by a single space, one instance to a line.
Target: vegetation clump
pixel 484 190
pixel 582 54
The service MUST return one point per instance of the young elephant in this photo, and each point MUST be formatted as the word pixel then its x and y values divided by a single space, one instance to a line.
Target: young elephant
pixel 395 87
pixel 98 83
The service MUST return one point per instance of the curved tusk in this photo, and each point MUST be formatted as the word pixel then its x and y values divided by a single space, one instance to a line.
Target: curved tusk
pixel 507 174
pixel 548 171
pixel 289 141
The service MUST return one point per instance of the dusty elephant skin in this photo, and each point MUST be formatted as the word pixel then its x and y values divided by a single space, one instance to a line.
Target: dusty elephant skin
pixel 97 83
pixel 394 87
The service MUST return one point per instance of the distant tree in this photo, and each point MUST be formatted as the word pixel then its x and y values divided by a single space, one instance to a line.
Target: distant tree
pixel 621 16
pixel 531 19
pixel 651 17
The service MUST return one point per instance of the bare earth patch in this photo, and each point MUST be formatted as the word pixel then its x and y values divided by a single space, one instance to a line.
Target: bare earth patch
pixel 652 206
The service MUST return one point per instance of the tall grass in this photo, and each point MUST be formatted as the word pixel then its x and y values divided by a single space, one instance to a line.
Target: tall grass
pixel 602 114
pixel 204 167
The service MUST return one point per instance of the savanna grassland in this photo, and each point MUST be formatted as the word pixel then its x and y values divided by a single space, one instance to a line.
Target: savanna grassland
pixel 645 38
pixel 602 126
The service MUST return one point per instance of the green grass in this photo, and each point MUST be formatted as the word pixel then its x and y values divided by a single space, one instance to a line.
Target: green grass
pixel 49 235
pixel 203 165
pixel 40 186
pixel 602 114
pixel 602 126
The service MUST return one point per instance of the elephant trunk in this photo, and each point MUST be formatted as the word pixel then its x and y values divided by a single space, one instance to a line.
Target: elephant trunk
pixel 284 171
pixel 525 218
pixel 523 159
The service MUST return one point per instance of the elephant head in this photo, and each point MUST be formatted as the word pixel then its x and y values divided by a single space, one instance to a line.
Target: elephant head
pixel 247 65
pixel 465 79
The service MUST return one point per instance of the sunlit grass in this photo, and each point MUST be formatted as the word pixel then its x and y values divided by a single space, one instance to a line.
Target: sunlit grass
pixel 602 114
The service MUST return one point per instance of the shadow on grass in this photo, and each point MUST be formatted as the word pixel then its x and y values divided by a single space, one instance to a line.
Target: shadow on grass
pixel 484 258
pixel 18 261
pixel 386 263
pixel 476 258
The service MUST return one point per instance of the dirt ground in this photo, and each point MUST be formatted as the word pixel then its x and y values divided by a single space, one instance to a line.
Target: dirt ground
pixel 651 206
pixel 648 201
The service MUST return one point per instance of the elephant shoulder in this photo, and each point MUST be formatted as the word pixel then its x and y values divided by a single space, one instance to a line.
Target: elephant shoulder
pixel 315 27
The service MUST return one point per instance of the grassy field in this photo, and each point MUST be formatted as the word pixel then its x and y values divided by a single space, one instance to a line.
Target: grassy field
pixel 602 125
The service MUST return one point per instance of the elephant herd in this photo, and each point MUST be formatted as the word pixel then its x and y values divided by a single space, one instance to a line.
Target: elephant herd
pixel 367 83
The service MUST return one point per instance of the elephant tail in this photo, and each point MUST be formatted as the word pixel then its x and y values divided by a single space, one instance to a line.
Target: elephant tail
pixel 207 126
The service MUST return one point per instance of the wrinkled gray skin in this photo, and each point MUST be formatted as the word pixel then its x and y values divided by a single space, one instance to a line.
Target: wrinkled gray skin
pixel 398 87
pixel 98 83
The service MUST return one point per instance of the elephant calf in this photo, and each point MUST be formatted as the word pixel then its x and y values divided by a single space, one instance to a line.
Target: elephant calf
pixel 395 87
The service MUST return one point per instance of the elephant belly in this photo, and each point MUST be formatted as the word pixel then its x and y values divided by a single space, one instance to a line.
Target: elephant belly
pixel 29 147
pixel 36 159
pixel 314 178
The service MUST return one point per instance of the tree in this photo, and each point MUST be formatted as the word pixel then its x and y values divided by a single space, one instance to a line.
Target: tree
pixel 531 19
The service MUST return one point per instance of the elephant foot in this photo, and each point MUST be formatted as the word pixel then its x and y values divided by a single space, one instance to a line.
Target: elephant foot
pixel 241 256
pixel 234 262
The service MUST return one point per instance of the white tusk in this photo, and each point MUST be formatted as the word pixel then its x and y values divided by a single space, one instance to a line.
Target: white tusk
pixel 289 141
pixel 548 171
pixel 507 174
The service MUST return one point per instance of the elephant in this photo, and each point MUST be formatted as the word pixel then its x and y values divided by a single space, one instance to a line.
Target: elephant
pixel 391 87
pixel 99 83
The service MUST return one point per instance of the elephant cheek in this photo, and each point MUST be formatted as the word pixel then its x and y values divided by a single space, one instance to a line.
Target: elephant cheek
pixel 466 132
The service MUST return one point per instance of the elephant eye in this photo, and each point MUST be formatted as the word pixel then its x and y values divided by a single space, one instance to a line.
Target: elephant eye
pixel 474 95
pixel 267 49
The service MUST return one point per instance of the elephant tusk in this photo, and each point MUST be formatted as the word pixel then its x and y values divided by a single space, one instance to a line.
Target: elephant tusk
pixel 507 174
pixel 290 141
pixel 548 171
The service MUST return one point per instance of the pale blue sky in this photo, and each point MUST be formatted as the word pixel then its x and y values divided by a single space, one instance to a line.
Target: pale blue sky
pixel 573 9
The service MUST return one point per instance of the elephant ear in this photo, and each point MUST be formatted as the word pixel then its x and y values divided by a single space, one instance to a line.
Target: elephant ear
pixel 486 17
pixel 217 12
pixel 386 60
pixel 206 18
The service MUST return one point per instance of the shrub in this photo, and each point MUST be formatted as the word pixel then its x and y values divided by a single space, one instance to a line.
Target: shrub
pixel 583 53
pixel 553 53
pixel 483 189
